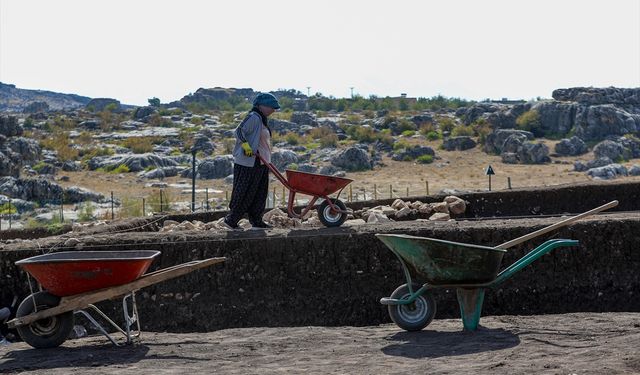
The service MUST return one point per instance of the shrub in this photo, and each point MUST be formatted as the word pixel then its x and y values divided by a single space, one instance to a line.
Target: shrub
pixel 329 140
pixel 8 208
pixel 404 124
pixel 401 145
pixel 130 207
pixel 446 124
pixel 462 130
pixel 433 135
pixel 120 169
pixel 529 121
pixel 153 201
pixel 140 145
pixel 425 159
pixel 196 120
pixel 292 138
pixel 86 211
pixel 408 133
pixel 427 128
pixel 60 143
pixel 317 133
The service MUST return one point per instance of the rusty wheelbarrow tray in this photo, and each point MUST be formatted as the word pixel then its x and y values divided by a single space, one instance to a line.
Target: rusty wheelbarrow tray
pixel 332 212
pixel 75 281
pixel 468 268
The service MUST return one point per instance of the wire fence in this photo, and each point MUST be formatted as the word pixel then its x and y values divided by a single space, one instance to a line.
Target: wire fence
pixel 57 210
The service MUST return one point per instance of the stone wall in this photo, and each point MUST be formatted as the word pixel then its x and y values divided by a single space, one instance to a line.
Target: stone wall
pixel 336 276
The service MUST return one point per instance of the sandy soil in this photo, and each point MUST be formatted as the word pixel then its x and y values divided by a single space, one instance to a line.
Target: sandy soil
pixel 585 343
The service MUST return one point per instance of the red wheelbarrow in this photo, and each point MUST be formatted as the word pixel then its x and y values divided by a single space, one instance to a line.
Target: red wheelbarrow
pixel 332 212
pixel 74 280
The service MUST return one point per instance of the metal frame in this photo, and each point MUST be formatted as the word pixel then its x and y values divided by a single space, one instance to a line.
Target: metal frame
pixel 128 319
pixel 293 191
pixel 471 296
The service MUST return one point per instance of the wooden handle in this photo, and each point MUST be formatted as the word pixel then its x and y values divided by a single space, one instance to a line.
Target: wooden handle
pixel 556 225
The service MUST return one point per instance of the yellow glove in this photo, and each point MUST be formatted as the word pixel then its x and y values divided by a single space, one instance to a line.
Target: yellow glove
pixel 247 149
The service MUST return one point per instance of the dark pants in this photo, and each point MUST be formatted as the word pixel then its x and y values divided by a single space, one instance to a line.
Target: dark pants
pixel 249 195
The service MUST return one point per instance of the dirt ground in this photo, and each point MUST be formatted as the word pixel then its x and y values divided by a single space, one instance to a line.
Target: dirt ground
pixel 458 170
pixel 584 343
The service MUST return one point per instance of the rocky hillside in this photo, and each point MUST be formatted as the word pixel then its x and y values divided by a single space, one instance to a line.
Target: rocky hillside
pixel 13 99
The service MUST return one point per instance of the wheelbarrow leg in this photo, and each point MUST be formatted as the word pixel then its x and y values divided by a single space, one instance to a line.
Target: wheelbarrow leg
pixel 470 301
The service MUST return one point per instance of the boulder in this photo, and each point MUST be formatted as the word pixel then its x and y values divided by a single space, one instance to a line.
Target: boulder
pixel 458 143
pixel 595 96
pixel 634 170
pixel 494 142
pixel 304 118
pixel 9 126
pixel 608 172
pixel 36 107
pixel 352 159
pixel 456 205
pixel 610 149
pixel 556 118
pixel 571 147
pixel 534 153
pixel 160 173
pixel 202 143
pixel 413 153
pixel 579 166
pixel 217 167
pixel 440 216
pixel 282 158
pixel 45 191
pixel 135 163
pixel 28 149
pixel 596 122
pixel 77 194
pixel 142 113
pixel 99 104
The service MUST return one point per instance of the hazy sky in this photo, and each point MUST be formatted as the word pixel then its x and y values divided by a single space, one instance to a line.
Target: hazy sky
pixel 132 50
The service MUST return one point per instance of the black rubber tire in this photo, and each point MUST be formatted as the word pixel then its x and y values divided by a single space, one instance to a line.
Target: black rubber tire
pixel 44 333
pixel 414 316
pixel 329 219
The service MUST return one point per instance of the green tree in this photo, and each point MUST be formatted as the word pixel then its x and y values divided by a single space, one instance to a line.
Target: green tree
pixel 154 102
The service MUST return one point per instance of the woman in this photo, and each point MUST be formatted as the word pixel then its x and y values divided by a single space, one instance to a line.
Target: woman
pixel 250 177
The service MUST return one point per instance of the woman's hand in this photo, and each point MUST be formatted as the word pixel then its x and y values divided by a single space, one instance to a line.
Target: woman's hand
pixel 247 149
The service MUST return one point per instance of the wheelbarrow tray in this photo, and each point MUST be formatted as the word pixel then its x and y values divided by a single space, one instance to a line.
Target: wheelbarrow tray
pixel 74 272
pixel 315 184
pixel 445 262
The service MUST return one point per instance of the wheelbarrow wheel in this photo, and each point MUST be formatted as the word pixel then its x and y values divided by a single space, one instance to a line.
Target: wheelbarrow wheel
pixel 48 332
pixel 416 315
pixel 330 218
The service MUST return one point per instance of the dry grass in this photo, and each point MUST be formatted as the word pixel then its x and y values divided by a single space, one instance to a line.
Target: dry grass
pixel 460 170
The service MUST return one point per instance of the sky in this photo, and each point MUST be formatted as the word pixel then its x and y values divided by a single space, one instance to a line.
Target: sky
pixel 132 50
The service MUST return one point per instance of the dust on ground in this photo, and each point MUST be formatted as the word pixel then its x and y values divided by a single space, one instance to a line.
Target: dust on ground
pixel 580 343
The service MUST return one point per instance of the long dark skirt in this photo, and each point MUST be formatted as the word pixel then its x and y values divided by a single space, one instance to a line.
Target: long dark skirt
pixel 249 195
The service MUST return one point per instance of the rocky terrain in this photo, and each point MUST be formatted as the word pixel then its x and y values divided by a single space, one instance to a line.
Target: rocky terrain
pixel 43 140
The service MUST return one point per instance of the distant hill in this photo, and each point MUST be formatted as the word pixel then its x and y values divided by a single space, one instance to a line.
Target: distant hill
pixel 13 99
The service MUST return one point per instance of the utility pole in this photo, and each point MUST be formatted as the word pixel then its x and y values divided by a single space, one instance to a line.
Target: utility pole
pixel 351 92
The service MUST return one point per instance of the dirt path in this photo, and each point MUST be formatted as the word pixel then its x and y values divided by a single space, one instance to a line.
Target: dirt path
pixel 585 343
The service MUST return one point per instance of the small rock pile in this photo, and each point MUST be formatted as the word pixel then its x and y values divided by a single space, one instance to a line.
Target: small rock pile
pixel 405 210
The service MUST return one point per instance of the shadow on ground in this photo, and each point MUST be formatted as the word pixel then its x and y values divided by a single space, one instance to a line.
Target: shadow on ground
pixel 84 356
pixel 434 344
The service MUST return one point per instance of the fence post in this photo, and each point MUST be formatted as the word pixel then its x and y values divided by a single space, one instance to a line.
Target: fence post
pixel 364 192
pixel 509 182
pixel 160 200
pixel 226 196
pixel 206 195
pixel 62 207
pixel 273 202
pixel 375 192
pixel 390 191
pixel 426 185
pixel 407 191
pixel 350 194
pixel 9 217
pixel 193 181
pixel 112 214
pixel 143 212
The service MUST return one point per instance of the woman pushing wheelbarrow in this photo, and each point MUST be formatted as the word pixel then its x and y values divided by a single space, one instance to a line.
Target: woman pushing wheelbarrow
pixel 252 163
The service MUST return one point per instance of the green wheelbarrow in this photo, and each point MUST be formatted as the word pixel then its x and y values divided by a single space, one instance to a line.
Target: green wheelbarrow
pixel 469 269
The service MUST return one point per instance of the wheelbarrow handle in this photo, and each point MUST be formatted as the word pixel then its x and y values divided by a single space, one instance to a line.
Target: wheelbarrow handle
pixel 559 224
